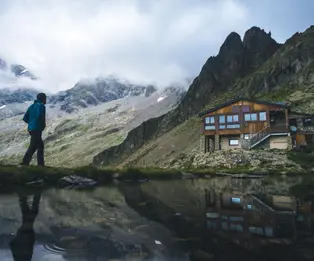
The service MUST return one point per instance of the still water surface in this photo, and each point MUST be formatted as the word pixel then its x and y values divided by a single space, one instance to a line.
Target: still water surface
pixel 210 219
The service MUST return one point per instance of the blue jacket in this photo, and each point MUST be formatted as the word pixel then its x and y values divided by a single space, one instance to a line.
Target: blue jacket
pixel 35 116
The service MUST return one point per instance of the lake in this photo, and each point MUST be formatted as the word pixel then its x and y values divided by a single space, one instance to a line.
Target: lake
pixel 219 218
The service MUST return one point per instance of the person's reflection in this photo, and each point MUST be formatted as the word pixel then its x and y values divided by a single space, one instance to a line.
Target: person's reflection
pixel 23 243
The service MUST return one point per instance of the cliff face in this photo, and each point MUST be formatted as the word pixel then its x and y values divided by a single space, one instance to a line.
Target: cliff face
pixel 252 67
pixel 291 68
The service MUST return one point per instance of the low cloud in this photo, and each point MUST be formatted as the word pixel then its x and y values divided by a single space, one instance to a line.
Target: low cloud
pixel 144 41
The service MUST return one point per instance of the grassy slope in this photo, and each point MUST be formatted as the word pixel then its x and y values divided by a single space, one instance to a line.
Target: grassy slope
pixel 182 139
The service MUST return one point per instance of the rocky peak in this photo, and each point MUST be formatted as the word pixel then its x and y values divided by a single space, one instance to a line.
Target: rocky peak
pixel 231 45
pixel 255 34
pixel 229 58
pixel 259 46
pixel 94 92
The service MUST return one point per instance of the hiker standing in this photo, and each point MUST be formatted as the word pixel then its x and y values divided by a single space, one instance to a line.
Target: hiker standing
pixel 35 117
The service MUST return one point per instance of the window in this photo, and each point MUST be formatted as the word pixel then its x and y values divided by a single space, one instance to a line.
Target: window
pixel 249 207
pixel 211 224
pixel 233 142
pixel 235 200
pixel 210 127
pixel 212 215
pixel 233 126
pixel 246 136
pixel 256 230
pixel 269 231
pixel 233 118
pixel 210 123
pixel 236 227
pixel 236 218
pixel 253 116
pixel 262 116
pixel 229 118
pixel 250 117
pixel 245 108
pixel 224 225
pixel 210 120
pixel 236 109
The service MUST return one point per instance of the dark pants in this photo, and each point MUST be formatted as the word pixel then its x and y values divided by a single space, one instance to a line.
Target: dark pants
pixel 35 144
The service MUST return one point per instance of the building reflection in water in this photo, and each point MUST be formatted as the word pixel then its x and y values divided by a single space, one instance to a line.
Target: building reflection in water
pixel 255 220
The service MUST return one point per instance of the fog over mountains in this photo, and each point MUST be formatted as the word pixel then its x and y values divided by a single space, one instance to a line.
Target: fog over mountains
pixel 14 97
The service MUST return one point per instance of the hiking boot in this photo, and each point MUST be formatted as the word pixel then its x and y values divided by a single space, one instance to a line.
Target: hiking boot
pixel 22 165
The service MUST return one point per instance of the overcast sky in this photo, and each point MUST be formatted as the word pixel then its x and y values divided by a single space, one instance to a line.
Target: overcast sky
pixel 145 41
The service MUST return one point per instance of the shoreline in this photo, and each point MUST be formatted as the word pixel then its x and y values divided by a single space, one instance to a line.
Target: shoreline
pixel 12 175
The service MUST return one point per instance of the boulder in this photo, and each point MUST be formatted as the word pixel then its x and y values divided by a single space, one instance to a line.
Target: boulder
pixel 74 181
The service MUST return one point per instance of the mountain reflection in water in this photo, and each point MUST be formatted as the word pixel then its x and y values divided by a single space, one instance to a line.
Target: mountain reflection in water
pixel 212 219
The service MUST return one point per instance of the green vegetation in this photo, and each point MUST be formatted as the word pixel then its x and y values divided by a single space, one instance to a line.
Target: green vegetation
pixel 278 95
pixel 304 159
pixel 14 175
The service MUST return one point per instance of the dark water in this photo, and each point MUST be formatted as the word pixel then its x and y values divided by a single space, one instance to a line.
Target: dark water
pixel 212 219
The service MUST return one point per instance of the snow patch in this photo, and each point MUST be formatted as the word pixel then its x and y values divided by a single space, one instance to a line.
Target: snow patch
pixel 161 98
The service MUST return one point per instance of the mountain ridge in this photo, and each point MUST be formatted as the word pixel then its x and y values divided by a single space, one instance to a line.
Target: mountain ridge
pixel 82 95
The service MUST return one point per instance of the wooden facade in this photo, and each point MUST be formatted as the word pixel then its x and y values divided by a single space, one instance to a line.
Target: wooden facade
pixel 248 122
pixel 239 125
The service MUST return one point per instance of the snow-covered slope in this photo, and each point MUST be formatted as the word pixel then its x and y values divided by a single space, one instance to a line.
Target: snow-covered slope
pixel 97 91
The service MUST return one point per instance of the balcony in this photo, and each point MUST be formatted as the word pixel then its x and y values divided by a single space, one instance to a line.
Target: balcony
pixel 278 128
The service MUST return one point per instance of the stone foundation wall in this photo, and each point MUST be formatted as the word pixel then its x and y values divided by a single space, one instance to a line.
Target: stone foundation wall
pixel 211 145
pixel 202 144
pixel 217 142
pixel 289 142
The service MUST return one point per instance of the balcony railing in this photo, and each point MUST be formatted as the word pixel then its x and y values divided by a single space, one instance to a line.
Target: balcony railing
pixel 256 138
pixel 262 134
